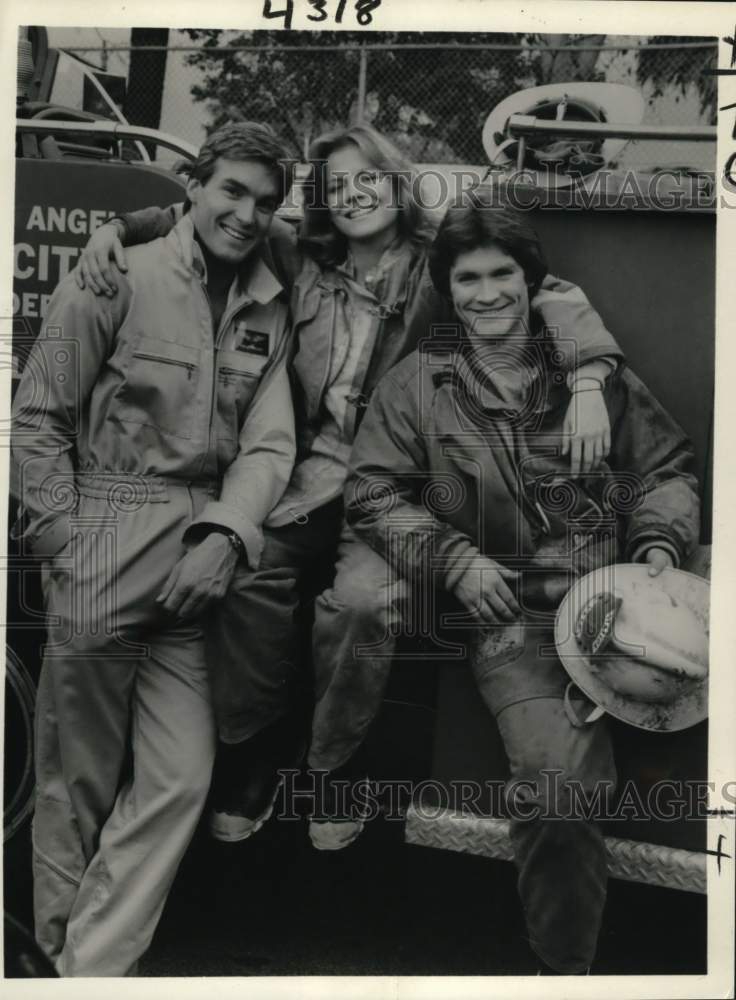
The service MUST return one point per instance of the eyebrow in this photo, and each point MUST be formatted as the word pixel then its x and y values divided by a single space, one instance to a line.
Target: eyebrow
pixel 462 272
pixel 235 183
pixel 246 190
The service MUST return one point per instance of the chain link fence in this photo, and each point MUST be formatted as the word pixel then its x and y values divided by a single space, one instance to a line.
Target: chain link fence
pixel 430 96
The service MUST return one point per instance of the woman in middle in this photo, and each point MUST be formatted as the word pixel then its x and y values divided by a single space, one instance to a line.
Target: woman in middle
pixel 361 300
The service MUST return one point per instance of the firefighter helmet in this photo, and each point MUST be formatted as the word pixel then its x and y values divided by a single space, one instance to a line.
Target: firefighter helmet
pixel 637 645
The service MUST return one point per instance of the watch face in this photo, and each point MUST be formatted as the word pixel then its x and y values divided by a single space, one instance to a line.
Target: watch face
pixel 236 543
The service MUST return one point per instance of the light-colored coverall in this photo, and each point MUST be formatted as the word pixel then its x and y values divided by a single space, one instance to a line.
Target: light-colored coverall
pixel 134 422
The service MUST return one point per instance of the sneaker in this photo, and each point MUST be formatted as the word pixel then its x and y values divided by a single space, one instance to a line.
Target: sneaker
pixel 327 836
pixel 231 826
pixel 247 781
pixel 340 826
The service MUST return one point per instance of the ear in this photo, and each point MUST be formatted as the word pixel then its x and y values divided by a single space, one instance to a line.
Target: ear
pixel 194 186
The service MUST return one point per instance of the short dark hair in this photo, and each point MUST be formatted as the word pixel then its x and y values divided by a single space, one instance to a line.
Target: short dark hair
pixel 245 141
pixel 476 220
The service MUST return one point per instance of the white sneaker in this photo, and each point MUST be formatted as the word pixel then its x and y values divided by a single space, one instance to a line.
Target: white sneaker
pixel 230 827
pixel 326 836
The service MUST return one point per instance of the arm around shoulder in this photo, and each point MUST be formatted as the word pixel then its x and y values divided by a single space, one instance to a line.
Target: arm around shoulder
pixel 146 224
pixel 580 332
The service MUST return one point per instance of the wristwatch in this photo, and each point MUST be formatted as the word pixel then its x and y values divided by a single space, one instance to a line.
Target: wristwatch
pixel 232 537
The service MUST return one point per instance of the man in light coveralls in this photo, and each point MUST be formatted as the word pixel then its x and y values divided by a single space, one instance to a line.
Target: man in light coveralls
pixel 153 432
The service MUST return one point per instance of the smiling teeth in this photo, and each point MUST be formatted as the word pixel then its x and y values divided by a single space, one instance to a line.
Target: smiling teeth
pixel 357 212
pixel 234 233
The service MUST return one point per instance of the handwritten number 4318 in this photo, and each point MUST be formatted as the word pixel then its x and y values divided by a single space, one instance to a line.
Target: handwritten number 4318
pixel 363 11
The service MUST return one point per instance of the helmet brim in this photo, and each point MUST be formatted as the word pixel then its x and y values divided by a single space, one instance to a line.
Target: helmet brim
pixel 685 709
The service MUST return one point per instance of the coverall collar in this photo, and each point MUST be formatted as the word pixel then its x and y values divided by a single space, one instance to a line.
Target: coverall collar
pixel 534 390
pixel 255 282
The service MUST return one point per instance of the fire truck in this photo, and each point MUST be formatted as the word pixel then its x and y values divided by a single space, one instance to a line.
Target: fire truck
pixel 650 273
pixel 74 169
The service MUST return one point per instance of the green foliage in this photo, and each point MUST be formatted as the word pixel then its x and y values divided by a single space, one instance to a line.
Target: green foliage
pixel 680 67
pixel 431 101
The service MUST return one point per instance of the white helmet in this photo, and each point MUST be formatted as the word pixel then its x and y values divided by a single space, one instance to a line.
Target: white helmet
pixel 637 645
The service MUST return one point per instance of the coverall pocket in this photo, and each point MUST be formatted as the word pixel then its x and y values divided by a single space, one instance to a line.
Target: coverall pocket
pixel 238 378
pixel 160 386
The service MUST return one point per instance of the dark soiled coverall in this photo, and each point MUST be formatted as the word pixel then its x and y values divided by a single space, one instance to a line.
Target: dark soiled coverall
pixel 442 470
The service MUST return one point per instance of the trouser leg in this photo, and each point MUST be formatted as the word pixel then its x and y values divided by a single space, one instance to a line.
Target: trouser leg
pixel 76 784
pixel 353 642
pixel 252 637
pixel 125 885
pixel 100 598
pixel 559 854
pixel 81 738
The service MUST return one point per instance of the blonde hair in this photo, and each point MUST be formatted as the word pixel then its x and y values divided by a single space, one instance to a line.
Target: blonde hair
pixel 318 236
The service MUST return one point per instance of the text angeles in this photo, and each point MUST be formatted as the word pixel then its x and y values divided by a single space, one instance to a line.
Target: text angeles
pixel 321 10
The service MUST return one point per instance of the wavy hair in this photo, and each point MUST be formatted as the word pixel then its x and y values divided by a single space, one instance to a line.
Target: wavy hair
pixel 319 237
pixel 478 220
pixel 243 141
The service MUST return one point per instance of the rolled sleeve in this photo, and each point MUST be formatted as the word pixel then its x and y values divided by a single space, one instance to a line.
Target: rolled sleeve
pixel 223 516
pixel 639 554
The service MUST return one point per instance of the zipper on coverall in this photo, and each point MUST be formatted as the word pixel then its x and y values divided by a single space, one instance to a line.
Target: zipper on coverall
pixel 216 342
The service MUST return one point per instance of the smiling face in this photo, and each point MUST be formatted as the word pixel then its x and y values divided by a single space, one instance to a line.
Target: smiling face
pixel 233 209
pixel 489 292
pixel 361 200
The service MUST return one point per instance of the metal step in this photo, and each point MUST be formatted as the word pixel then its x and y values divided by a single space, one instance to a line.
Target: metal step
pixel 631 860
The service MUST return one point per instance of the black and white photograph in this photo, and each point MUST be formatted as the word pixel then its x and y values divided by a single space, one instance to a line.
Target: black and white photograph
pixel 366 475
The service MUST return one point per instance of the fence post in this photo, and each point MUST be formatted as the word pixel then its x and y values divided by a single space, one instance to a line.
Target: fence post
pixel 362 73
pixel 146 77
